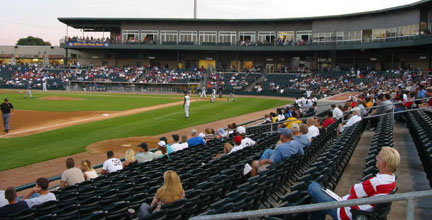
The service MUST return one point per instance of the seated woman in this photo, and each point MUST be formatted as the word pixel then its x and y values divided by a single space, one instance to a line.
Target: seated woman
pixel 88 171
pixel 129 158
pixel 171 191
pixel 387 161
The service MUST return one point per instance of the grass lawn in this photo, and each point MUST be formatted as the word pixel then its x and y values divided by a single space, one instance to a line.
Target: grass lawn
pixel 21 151
pixel 88 102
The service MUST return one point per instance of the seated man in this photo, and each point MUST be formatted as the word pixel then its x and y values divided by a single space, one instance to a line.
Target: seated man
pixel 39 194
pixel 354 118
pixel 286 149
pixel 112 164
pixel 387 161
pixel 228 148
pixel 329 120
pixel 144 155
pixel 13 206
pixel 195 140
pixel 313 130
pixel 246 142
pixel 299 135
pixel 72 175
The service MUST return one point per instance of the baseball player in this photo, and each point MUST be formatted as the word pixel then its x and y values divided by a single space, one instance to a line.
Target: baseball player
pixel 231 96
pixel 203 92
pixel 186 104
pixel 44 84
pixel 213 98
pixel 7 109
pixel 28 91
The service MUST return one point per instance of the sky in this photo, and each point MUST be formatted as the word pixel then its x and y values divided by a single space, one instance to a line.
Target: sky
pixel 38 18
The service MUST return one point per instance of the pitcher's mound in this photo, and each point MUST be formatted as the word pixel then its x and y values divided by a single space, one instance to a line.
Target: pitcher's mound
pixel 59 98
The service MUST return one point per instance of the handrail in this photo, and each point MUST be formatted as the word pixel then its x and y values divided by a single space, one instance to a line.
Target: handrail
pixel 409 196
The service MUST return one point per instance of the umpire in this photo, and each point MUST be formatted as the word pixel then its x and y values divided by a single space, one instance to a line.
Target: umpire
pixel 7 109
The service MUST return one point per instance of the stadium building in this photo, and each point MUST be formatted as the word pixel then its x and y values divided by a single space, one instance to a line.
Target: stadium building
pixel 380 40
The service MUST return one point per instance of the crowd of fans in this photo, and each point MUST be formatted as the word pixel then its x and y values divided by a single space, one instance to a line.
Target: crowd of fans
pixel 88 39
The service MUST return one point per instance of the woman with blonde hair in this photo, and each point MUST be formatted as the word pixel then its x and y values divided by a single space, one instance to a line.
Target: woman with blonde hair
pixel 129 158
pixel 88 171
pixel 171 191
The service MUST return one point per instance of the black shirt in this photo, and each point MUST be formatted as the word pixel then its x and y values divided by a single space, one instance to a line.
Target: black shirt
pixel 6 107
pixel 11 209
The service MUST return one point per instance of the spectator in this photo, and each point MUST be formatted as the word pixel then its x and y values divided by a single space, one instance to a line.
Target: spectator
pixel 387 161
pixel 176 146
pixel 209 134
pixel 195 140
pixel 72 175
pixel 351 121
pixel 168 147
pixel 88 171
pixel 129 158
pixel 292 120
pixel 228 148
pixel 162 150
pixel 337 112
pixel 39 194
pixel 112 164
pixel 288 148
pixel 13 207
pixel 299 136
pixel 3 200
pixel 280 115
pixel 144 155
pixel 329 120
pixel 313 130
pixel 246 142
pixel 171 191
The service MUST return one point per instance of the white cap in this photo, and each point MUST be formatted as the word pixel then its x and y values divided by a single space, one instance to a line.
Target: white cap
pixel 241 130
pixel 161 143
pixel 201 135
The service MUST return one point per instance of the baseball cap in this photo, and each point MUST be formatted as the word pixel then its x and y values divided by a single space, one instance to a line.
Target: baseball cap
pixel 6 100
pixel 295 127
pixel 222 132
pixel 241 130
pixel 162 143
pixel 237 140
pixel 285 131
pixel 201 135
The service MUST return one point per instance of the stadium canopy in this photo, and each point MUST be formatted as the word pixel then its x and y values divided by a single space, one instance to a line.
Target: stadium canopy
pixel 114 24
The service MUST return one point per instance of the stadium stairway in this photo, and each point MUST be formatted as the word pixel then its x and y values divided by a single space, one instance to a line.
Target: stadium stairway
pixel 410 175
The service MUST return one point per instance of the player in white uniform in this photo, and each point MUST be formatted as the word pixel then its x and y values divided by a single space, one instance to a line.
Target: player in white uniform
pixel 44 84
pixel 186 104
pixel 213 98
pixel 203 93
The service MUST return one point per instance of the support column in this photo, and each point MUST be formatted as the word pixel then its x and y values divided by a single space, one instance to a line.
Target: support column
pixel 65 61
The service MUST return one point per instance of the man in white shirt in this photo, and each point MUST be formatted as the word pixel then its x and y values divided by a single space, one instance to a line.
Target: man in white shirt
pixel 337 113
pixel 313 131
pixel 144 155
pixel 72 175
pixel 246 142
pixel 43 194
pixel 112 164
pixel 237 144
pixel 351 121
pixel 186 104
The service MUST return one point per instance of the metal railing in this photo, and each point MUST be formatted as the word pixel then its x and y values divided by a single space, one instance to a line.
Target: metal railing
pixel 409 197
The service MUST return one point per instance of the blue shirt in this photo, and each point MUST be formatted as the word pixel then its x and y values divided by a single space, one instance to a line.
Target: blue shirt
pixel 285 150
pixel 303 139
pixel 169 149
pixel 192 142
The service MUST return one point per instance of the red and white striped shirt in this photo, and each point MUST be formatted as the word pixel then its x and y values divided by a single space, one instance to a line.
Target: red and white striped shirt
pixel 381 184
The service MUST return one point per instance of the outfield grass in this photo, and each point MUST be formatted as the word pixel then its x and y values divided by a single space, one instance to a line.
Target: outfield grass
pixel 21 151
pixel 88 102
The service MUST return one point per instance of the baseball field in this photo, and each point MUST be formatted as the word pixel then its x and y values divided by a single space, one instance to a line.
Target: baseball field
pixel 58 124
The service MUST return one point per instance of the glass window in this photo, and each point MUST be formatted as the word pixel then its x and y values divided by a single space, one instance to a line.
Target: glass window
pixel 168 37
pixel 303 36
pixel 149 36
pixel 208 37
pixel 266 37
pixel 130 36
pixel 247 37
pixel 189 37
pixel 285 37
pixel 227 37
